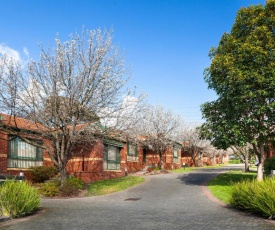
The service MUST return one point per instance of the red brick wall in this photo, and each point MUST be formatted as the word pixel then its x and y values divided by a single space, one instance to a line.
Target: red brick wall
pixel 187 159
pixel 89 164
pixel 168 160
pixel 152 158
pixel 3 152
pixel 134 166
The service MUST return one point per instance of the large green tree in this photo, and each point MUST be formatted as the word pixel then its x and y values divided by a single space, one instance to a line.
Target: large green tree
pixel 242 73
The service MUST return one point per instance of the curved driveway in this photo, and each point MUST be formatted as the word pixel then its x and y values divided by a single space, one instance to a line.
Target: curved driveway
pixel 167 201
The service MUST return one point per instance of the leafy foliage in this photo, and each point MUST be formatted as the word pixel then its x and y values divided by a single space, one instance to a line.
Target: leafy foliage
pixel 18 199
pixel 71 186
pixel 75 182
pixel 242 74
pixel 221 186
pixel 255 196
pixel 41 173
pixel 49 189
pixel 269 165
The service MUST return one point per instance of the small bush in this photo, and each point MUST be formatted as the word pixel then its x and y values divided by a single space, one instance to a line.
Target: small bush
pixel 255 197
pixel 71 186
pixel 41 173
pixel 18 198
pixel 75 182
pixel 49 189
pixel 269 165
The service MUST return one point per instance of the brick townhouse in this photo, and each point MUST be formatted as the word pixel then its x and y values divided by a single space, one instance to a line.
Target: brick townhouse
pixel 107 158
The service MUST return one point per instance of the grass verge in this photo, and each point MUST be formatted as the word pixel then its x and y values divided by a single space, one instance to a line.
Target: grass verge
pixel 113 185
pixel 221 186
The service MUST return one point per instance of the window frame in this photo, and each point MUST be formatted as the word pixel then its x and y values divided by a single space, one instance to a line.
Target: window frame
pixel 176 157
pixel 132 156
pixel 107 162
pixel 25 161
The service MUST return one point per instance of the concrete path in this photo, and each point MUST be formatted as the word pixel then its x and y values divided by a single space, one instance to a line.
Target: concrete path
pixel 168 201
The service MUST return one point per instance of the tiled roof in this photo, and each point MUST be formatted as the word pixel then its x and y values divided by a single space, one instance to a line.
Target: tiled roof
pixel 20 123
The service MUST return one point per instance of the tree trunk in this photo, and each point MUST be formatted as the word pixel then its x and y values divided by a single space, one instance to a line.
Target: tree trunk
pixel 246 163
pixel 63 174
pixel 261 157
pixel 193 157
pixel 161 160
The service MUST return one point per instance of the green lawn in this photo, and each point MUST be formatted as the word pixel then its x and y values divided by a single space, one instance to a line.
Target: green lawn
pixel 220 186
pixel 113 185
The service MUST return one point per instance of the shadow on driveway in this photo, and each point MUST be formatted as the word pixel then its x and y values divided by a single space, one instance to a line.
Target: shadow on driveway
pixel 201 176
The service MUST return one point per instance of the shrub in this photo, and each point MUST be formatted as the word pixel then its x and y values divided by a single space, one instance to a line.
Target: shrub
pixel 41 173
pixel 71 186
pixel 49 189
pixel 18 198
pixel 269 165
pixel 75 182
pixel 255 196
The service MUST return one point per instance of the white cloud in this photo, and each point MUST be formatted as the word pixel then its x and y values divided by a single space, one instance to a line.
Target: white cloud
pixel 11 53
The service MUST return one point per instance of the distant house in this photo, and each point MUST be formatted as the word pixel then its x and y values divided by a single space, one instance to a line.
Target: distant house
pixel 202 159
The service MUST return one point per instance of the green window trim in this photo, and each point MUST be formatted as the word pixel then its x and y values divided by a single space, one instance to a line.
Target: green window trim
pixel 176 154
pixel 25 158
pixel 132 152
pixel 109 162
pixel 135 152
pixel 176 150
pixel 113 143
pixel 22 154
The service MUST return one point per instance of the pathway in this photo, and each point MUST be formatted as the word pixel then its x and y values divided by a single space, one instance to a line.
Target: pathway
pixel 167 201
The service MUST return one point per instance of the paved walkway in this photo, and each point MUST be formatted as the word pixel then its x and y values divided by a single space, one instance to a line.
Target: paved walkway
pixel 168 201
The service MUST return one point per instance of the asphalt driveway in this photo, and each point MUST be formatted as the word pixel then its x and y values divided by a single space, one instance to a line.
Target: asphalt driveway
pixel 168 201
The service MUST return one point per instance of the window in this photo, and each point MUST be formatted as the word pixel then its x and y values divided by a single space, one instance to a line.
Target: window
pixel 111 157
pixel 176 155
pixel 132 153
pixel 23 155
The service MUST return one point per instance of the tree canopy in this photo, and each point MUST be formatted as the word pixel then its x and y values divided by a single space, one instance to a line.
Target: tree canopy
pixel 242 73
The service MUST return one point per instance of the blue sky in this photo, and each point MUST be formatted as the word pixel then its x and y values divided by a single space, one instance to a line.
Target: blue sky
pixel 165 42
